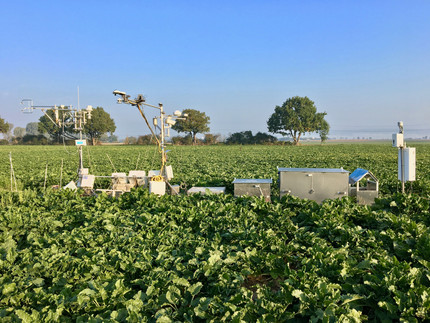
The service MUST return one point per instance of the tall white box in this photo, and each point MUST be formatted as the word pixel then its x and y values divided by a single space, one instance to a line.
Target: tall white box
pixel 408 163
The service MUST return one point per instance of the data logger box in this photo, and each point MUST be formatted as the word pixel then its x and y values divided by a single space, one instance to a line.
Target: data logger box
pixel 315 184
pixel 398 140
pixel 87 181
pixel 252 187
pixel 158 188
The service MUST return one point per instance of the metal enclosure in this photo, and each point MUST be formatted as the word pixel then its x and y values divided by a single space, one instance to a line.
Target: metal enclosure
pixel 365 194
pixel 87 181
pixel 203 190
pixel 252 187
pixel 315 184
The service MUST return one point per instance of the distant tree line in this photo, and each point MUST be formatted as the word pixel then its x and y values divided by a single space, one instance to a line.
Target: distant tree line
pixel 296 117
pixel 209 139
pixel 247 138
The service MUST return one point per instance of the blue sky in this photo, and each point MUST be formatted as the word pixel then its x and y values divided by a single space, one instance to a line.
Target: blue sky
pixel 366 63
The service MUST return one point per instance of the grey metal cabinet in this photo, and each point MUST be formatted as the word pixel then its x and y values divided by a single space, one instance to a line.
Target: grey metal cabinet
pixel 315 184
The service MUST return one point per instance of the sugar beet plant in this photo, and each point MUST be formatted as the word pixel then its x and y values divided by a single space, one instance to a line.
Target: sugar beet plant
pixel 209 165
pixel 65 257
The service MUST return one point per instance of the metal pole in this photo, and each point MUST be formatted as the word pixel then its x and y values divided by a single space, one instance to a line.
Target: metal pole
pixel 402 166
pixel 11 172
pixel 163 148
pixel 61 174
pixel 81 161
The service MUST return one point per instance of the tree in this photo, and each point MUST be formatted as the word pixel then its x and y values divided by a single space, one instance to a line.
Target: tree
pixel 196 122
pixel 240 138
pixel 247 138
pixel 100 123
pixel 146 140
pixel 113 138
pixel 264 138
pixel 296 116
pixel 8 134
pixel 19 132
pixel 323 131
pixel 4 126
pixel 56 132
pixel 130 140
pixel 211 139
pixel 32 128
pixel 179 140
pixel 34 140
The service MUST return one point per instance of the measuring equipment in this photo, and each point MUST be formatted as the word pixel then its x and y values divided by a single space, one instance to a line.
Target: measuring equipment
pixel 406 164
pixel 64 115
pixel 163 123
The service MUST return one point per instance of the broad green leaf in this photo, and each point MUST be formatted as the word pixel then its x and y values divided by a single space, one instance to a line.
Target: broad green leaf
pixel 195 288
pixel 8 288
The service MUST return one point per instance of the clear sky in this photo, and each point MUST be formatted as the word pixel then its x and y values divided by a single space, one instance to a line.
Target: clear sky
pixel 366 63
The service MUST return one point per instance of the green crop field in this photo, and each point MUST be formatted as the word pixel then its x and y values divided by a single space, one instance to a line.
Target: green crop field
pixel 66 257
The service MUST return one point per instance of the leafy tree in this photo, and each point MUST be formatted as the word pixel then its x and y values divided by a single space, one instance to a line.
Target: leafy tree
pixel 296 116
pixel 19 132
pixel 8 134
pixel 56 132
pixel 323 131
pixel 146 140
pixel 240 138
pixel 100 123
pixel 130 140
pixel 113 138
pixel 179 140
pixel 196 122
pixel 264 138
pixel 4 126
pixel 34 140
pixel 247 138
pixel 32 128
pixel 211 139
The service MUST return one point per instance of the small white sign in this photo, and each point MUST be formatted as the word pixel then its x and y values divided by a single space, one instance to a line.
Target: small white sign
pixel 80 142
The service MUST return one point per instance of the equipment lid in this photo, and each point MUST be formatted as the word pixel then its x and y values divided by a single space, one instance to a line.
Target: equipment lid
pixel 313 170
pixel 252 181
